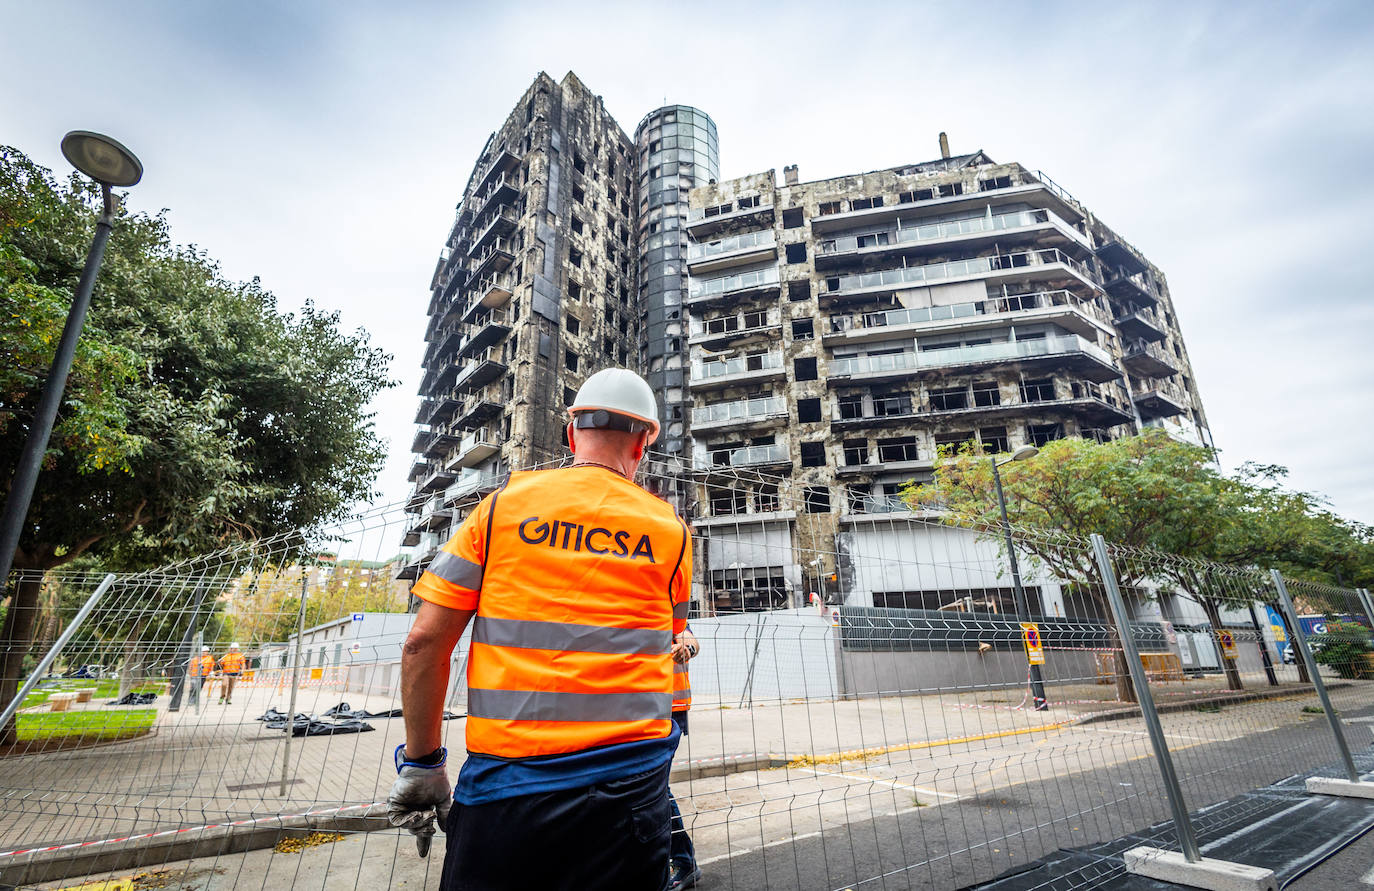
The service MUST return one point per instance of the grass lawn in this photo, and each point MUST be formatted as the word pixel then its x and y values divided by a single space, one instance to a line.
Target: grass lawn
pixel 108 688
pixel 89 725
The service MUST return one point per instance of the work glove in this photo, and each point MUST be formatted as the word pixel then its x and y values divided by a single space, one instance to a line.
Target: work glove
pixel 420 796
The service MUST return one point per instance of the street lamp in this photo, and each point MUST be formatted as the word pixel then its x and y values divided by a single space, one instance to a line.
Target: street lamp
pixel 1024 453
pixel 110 164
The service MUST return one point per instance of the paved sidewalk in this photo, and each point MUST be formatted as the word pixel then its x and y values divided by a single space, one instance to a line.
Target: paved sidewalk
pixel 218 764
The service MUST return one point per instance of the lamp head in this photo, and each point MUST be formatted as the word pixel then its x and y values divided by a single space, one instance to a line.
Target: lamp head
pixel 102 158
pixel 1025 453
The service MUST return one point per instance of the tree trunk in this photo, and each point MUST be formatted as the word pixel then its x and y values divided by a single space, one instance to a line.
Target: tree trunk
pixel 1228 664
pixel 1125 690
pixel 16 636
pixel 131 672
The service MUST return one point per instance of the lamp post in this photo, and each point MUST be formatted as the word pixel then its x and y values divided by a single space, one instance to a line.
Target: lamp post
pixel 1022 610
pixel 110 164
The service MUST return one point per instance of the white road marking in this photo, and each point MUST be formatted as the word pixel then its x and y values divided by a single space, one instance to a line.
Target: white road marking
pixel 864 778
pixel 735 853
pixel 1368 878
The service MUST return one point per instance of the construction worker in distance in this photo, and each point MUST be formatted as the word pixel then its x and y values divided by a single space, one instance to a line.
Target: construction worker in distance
pixel 202 667
pixel 231 666
pixel 576 581
pixel 683 869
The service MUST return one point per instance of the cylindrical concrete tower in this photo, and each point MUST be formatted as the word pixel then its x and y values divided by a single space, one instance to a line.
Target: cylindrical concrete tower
pixel 677 150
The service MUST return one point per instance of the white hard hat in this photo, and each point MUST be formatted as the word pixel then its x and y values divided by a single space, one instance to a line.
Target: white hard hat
pixel 233 646
pixel 615 391
pixel 205 649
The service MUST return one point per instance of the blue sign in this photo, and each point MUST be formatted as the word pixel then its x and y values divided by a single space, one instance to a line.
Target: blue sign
pixel 357 617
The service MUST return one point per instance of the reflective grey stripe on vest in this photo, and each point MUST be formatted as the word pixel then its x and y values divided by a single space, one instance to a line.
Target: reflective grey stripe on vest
pixel 549 705
pixel 679 668
pixel 455 569
pixel 682 695
pixel 681 609
pixel 569 638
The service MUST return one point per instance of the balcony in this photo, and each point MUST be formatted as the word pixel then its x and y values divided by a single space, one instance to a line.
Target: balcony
pixel 912 238
pixel 446 343
pixel 496 257
pixel 1141 324
pixel 495 225
pixel 724 372
pixel 1130 288
pixel 502 190
pixel 476 446
pixel 1063 308
pixel 418 469
pixel 487 330
pixel 438 377
pixel 480 370
pixel 1088 359
pixel 475 410
pixel 724 330
pixel 740 286
pixel 423 412
pixel 872 368
pixel 442 407
pixel 735 250
pixel 489 293
pixel 1036 189
pixel 1147 359
pixel 752 457
pixel 901 465
pixel 503 162
pixel 433 516
pixel 472 483
pixel 1046 264
pixel 739 413
pixel 1118 254
pixel 1160 401
pixel 437 477
pixel 701 226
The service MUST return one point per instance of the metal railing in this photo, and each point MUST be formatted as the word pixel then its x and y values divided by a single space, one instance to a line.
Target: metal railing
pixel 740 410
pixel 737 365
pixel 912 275
pixel 756 278
pixel 763 238
pixel 1049 345
pixel 859 365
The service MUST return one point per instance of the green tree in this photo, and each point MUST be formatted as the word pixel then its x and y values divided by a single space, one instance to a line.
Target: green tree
pixel 198 414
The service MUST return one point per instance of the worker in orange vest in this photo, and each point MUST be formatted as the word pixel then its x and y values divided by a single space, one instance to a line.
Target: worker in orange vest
pixel 684 872
pixel 202 667
pixel 576 581
pixel 231 666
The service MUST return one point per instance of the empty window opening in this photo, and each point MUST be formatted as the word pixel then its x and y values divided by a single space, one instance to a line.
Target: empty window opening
pixel 808 411
pixel 986 393
pixel 1040 434
pixel 829 207
pixel 796 253
pixel 951 399
pixel 803 329
pixel 572 324
pixel 817 500
pixel 898 448
pixel 866 203
pixel 813 454
pixel 792 218
pixel 1037 390
pixel 570 360
pixel 798 291
pixel 994 439
pixel 997 182
pixel 952 443
pixel 804 368
pixel 949 190
pixel 855 452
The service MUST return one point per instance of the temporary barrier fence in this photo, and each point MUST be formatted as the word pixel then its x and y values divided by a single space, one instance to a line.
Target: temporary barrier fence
pixel 864 708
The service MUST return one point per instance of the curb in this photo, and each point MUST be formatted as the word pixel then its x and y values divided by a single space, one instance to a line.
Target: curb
pixel 1223 699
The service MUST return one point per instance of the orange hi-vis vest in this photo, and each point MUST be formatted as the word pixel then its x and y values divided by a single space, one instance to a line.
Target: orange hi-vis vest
pixel 202 665
pixel 580 579
pixel 682 688
pixel 232 662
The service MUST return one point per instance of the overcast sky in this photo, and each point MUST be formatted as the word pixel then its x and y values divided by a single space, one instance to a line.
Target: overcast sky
pixel 322 146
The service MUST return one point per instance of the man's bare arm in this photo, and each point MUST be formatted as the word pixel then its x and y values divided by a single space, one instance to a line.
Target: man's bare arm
pixel 424 674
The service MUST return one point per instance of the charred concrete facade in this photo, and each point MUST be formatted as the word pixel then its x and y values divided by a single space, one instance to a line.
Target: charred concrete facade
pixel 846 332
pixel 533 291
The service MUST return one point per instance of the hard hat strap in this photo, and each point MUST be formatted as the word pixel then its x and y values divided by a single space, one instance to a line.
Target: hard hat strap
pixel 601 419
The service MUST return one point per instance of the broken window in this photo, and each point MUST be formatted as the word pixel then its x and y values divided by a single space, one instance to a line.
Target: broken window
pixel 888 405
pixel 875 239
pixel 578 195
pixel 570 360
pixel 808 411
pixel 748 202
pixel 574 290
pixel 813 454
pixel 922 194
pixel 725 502
pixel 575 257
pixel 949 190
pixel 576 226
pixel 855 452
pixel 898 448
pixel 804 368
pixel 817 500
pixel 803 329
pixel 796 253
pixel 1041 390
pixel 829 207
pixel 579 164
pixel 951 443
pixel 792 218
pixel 569 396
pixel 851 405
pixel 798 291
pixel 766 498
pixel 1039 434
pixel 998 182
pixel 994 439
pixel 866 203
pixel 572 324
pixel 950 399
pixel 755 319
pixel 986 393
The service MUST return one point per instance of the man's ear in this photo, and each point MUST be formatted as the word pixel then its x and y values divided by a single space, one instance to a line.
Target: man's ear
pixel 641 443
pixel 572 443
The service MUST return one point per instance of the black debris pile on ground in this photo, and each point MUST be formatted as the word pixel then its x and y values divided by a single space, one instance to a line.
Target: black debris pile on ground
pixel 134 699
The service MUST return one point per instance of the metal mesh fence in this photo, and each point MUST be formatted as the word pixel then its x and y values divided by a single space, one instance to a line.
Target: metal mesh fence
pixel 865 708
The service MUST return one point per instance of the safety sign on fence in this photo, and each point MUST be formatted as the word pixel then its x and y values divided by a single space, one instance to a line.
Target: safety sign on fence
pixel 1228 643
pixel 1035 650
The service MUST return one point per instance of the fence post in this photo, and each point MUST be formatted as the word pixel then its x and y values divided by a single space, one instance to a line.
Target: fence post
pixel 1187 841
pixel 1300 640
pixel 1368 607
pixel 182 670
pixel 46 662
pixel 295 682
